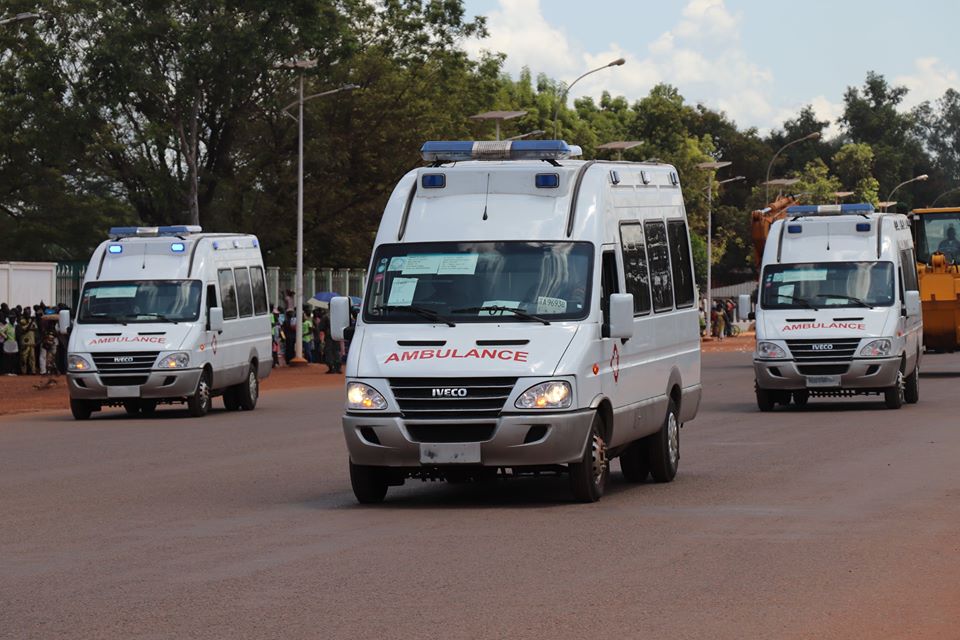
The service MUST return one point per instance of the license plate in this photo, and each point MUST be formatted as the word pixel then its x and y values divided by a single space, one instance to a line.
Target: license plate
pixel 823 381
pixel 123 392
pixel 450 453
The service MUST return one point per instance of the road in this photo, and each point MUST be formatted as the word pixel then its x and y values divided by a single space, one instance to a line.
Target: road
pixel 840 520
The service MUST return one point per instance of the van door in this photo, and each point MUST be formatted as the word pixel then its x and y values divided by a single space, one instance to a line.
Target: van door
pixel 227 347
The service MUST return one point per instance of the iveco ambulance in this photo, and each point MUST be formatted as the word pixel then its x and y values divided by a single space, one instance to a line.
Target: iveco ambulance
pixel 838 309
pixel 169 315
pixel 524 313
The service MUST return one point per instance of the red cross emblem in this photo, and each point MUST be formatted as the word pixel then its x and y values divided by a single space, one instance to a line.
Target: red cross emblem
pixel 615 363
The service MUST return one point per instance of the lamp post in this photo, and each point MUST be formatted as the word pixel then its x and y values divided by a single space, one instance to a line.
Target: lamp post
pixel 945 193
pixel 302 66
pixel 563 96
pixel 20 17
pixel 919 178
pixel 712 167
pixel 766 192
pixel 535 132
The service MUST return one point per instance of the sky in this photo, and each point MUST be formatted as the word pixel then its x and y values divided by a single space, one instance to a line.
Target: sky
pixel 760 61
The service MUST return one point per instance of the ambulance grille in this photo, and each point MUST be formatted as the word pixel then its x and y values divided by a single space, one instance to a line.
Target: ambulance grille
pixel 813 351
pixel 446 398
pixel 125 362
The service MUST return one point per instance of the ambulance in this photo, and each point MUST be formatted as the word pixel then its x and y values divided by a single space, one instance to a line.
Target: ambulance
pixel 838 308
pixel 526 313
pixel 169 315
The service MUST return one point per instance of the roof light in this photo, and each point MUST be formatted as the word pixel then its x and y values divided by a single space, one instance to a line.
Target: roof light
pixel 115 248
pixel 462 150
pixel 433 181
pixel 177 247
pixel 794 228
pixel 822 209
pixel 547 180
pixel 147 232
pixel 863 226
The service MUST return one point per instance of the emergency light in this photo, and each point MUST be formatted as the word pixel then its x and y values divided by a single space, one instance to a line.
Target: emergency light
pixel 177 247
pixel 462 150
pixel 825 209
pixel 151 232
pixel 115 248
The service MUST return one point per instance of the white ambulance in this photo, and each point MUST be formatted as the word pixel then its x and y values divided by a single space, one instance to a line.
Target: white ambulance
pixel 524 312
pixel 169 315
pixel 838 309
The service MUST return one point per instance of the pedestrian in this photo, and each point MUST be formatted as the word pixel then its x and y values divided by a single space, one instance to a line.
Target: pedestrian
pixel 8 346
pixel 289 300
pixel 307 336
pixel 331 348
pixel 728 318
pixel 289 336
pixel 48 353
pixel 28 344
pixel 275 336
pixel 719 321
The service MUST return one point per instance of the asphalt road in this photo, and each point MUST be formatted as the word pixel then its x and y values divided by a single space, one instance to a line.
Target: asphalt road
pixel 840 520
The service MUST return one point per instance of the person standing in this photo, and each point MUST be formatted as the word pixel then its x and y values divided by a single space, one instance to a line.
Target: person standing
pixel 8 346
pixel 28 344
pixel 331 348
pixel 307 336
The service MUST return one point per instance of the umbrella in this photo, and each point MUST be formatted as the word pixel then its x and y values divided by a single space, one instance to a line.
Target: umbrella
pixel 324 296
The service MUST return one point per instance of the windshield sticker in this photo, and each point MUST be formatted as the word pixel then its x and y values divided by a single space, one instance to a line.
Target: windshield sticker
pixel 422 264
pixel 804 275
pixel 120 291
pixel 513 304
pixel 461 264
pixel 551 305
pixel 473 354
pixel 401 292
pixel 803 326
pixel 397 263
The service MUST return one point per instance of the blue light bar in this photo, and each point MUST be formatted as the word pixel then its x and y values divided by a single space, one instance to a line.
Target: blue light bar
pixel 178 230
pixel 547 180
pixel 177 247
pixel 794 228
pixel 863 226
pixel 462 150
pixel 115 248
pixel 433 181
pixel 149 232
pixel 863 207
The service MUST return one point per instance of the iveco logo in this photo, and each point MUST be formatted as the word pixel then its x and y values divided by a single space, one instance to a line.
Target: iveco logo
pixel 448 392
pixel 823 347
pixel 122 359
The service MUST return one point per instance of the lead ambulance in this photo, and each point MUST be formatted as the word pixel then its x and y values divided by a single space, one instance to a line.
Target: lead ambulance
pixel 838 309
pixel 525 312
pixel 169 315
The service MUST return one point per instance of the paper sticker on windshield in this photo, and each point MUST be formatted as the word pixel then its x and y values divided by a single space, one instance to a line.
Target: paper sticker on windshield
pixel 421 264
pixel 805 275
pixel 511 304
pixel 551 305
pixel 464 264
pixel 397 263
pixel 401 292
pixel 120 291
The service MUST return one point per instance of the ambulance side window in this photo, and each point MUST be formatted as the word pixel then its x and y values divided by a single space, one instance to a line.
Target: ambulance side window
pixel 244 295
pixel 658 253
pixel 635 272
pixel 259 290
pixel 680 259
pixel 228 292
pixel 609 284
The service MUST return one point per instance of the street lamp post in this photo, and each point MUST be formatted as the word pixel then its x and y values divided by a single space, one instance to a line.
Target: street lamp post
pixel 945 193
pixel 712 167
pixel 766 192
pixel 20 17
pixel 919 178
pixel 528 134
pixel 563 96
pixel 302 66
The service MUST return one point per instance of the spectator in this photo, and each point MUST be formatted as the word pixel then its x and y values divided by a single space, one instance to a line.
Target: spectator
pixel 728 317
pixel 8 345
pixel 307 336
pixel 719 320
pixel 28 344
pixel 289 336
pixel 275 336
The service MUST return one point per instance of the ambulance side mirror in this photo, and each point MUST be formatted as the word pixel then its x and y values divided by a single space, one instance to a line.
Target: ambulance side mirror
pixel 911 300
pixel 621 315
pixel 215 319
pixel 63 322
pixel 743 306
pixel 339 316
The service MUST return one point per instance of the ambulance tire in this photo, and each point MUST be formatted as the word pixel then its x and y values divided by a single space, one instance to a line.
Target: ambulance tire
pixel 766 400
pixel 132 407
pixel 148 407
pixel 230 400
pixel 369 483
pixel 800 398
pixel 912 391
pixel 633 463
pixel 663 447
pixel 199 403
pixel 81 409
pixel 588 478
pixel 894 397
pixel 784 397
pixel 249 392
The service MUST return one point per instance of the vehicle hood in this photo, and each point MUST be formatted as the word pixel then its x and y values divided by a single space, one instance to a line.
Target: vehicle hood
pixel 807 324
pixel 469 349
pixel 94 338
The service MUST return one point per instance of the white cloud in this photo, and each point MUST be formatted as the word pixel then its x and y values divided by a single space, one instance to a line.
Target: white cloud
pixel 930 79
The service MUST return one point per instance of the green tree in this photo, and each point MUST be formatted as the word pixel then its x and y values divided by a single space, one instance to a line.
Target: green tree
pixel 854 167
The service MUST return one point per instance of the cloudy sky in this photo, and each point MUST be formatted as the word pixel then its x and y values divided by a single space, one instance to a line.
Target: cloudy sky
pixel 758 60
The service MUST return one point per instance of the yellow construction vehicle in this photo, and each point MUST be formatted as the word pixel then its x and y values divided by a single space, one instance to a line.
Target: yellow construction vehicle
pixel 936 236
pixel 761 219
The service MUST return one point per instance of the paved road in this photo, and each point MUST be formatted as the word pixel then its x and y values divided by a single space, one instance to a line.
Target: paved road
pixel 836 521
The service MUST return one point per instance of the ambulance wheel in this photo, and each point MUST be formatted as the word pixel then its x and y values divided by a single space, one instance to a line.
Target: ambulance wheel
pixel 588 478
pixel 663 447
pixel 369 483
pixel 895 396
pixel 230 400
pixel 800 398
pixel 911 392
pixel 199 403
pixel 81 409
pixel 783 397
pixel 249 391
pixel 634 464
pixel 148 407
pixel 766 400
pixel 132 407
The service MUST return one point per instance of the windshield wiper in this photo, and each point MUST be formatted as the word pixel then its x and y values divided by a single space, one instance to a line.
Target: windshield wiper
pixel 429 314
pixel 850 298
pixel 158 316
pixel 802 301
pixel 520 313
pixel 103 316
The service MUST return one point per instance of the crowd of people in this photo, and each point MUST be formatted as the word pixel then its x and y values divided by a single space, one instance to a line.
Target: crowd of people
pixel 30 342
pixel 318 344
pixel 723 315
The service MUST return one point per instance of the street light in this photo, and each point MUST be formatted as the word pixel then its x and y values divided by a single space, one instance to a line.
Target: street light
pixel 535 132
pixel 945 193
pixel 766 192
pixel 919 178
pixel 302 66
pixel 556 112
pixel 712 167
pixel 21 17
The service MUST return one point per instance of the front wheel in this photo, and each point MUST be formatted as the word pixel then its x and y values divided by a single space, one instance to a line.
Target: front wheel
pixel 895 396
pixel 766 398
pixel 588 478
pixel 199 403
pixel 911 391
pixel 369 483
pixel 81 409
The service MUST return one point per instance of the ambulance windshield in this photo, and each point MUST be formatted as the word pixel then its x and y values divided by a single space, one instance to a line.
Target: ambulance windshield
pixel 480 282
pixel 815 285
pixel 146 301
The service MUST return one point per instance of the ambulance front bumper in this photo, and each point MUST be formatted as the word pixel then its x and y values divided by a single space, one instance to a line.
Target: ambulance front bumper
pixel 515 440
pixel 861 375
pixel 158 385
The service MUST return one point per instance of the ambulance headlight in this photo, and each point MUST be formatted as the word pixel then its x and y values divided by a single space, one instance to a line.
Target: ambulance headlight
pixel 877 348
pixel 78 363
pixel 556 394
pixel 364 397
pixel 770 351
pixel 175 361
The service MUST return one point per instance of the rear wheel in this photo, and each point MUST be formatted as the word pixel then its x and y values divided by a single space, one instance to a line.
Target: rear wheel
pixel 588 478
pixel 132 407
pixel 199 403
pixel 148 407
pixel 911 392
pixel 663 447
pixel 369 483
pixel 81 409
pixel 765 398
pixel 249 391
pixel 894 397
pixel 800 398
pixel 230 400
pixel 634 464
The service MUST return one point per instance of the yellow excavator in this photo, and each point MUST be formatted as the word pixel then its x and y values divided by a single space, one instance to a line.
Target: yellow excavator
pixel 936 237
pixel 761 219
